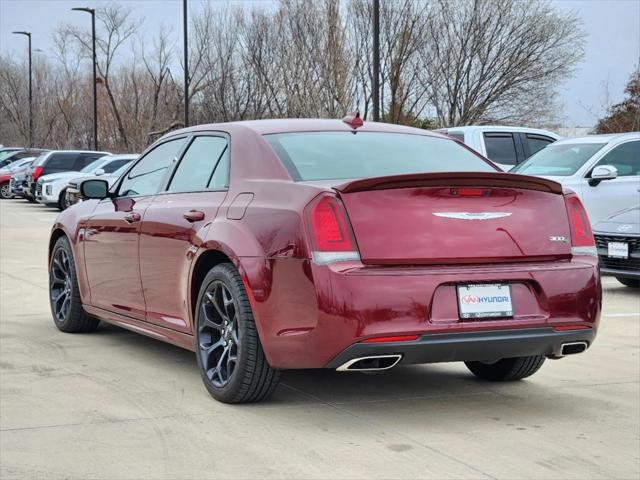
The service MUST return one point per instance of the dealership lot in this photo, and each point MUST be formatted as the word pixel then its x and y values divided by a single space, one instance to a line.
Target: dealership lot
pixel 114 404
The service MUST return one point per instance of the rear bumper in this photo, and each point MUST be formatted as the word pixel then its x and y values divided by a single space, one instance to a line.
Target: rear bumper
pixel 308 314
pixel 473 346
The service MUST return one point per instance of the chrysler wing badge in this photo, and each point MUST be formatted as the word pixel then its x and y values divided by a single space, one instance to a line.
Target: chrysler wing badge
pixel 472 215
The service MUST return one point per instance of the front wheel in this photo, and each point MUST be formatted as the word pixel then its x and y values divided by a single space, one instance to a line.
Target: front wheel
pixel 507 369
pixel 232 363
pixel 5 191
pixel 64 294
pixel 629 282
pixel 63 202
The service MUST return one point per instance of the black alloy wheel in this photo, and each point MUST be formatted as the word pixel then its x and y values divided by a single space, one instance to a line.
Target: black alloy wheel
pixel 232 363
pixel 218 336
pixel 64 294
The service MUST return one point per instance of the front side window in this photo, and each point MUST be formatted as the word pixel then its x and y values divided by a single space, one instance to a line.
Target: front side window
pixel 501 148
pixel 345 155
pixel 559 159
pixel 199 164
pixel 145 178
pixel 626 159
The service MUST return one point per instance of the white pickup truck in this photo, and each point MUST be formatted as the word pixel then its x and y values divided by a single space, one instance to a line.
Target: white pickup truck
pixel 504 146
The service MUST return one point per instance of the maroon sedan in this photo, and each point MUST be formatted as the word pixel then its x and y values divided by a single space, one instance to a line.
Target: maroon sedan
pixel 282 244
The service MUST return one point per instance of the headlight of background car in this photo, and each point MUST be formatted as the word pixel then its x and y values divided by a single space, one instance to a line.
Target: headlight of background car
pixel 48 188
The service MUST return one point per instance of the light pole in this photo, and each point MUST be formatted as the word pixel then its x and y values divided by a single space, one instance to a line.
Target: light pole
pixel 92 11
pixel 186 63
pixel 375 81
pixel 28 35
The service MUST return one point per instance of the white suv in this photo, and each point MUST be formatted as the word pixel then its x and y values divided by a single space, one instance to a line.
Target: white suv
pixel 604 170
pixel 504 146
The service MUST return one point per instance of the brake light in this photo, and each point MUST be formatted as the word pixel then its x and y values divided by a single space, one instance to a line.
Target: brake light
pixel 582 241
pixel 470 192
pixel 37 172
pixel 332 239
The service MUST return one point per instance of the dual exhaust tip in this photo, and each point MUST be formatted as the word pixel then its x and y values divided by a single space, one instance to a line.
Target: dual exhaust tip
pixel 374 363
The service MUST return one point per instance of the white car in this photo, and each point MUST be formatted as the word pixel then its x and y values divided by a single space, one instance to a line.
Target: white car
pixel 52 188
pixel 603 170
pixel 504 146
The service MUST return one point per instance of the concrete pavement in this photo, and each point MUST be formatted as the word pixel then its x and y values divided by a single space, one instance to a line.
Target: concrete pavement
pixel 117 405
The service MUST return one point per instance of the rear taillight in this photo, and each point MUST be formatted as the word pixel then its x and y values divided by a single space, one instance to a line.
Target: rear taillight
pixel 330 232
pixel 582 241
pixel 36 173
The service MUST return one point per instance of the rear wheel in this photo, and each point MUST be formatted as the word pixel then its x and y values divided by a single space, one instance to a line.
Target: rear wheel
pixel 64 294
pixel 507 369
pixel 5 191
pixel 629 282
pixel 232 363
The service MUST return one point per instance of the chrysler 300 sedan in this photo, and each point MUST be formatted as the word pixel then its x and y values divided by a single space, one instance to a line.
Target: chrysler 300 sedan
pixel 284 244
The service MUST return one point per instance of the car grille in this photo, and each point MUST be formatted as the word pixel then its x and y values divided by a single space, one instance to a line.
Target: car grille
pixel 631 263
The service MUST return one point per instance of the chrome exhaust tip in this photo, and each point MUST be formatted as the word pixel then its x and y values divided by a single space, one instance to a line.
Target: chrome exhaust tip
pixel 572 348
pixel 370 363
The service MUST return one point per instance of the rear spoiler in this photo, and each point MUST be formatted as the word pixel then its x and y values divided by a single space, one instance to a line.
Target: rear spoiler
pixel 452 179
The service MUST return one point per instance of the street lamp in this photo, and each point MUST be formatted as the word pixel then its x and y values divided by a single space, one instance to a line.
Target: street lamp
pixel 375 81
pixel 186 63
pixel 28 35
pixel 92 11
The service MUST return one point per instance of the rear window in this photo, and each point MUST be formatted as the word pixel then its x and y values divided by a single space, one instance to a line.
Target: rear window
pixel 559 159
pixel 345 155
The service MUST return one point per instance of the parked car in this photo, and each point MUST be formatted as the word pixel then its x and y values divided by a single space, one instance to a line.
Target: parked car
pixel 505 146
pixel 7 150
pixel 7 172
pixel 19 154
pixel 51 188
pixel 73 188
pixel 280 244
pixel 603 170
pixel 618 241
pixel 54 162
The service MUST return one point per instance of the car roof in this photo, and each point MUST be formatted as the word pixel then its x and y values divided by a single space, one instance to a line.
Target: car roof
pixel 291 125
pixel 604 138
pixel 497 128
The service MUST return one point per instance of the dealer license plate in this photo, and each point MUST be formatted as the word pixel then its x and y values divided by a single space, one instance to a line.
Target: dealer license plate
pixel 618 250
pixel 485 300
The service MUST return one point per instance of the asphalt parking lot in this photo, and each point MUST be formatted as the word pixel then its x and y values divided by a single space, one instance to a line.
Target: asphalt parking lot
pixel 113 404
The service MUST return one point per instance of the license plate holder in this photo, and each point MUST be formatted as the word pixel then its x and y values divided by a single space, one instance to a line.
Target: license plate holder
pixel 484 300
pixel 618 250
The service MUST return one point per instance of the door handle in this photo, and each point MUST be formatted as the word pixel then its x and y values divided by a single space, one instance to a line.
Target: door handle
pixel 193 216
pixel 132 217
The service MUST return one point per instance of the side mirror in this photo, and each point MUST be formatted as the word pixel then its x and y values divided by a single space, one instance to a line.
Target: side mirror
pixel 604 172
pixel 99 172
pixel 94 189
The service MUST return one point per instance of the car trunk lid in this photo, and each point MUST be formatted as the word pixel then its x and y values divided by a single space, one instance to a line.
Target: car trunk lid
pixel 457 218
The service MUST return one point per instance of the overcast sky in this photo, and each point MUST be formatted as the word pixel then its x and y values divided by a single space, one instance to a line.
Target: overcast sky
pixel 612 52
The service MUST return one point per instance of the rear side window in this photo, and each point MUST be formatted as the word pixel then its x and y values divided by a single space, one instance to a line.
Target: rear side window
pixel 501 148
pixel 199 164
pixel 456 135
pixel 113 166
pixel 85 159
pixel 535 143
pixel 345 155
pixel 61 161
pixel 146 177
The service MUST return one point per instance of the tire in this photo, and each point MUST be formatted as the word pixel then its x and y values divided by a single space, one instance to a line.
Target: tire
pixel 5 191
pixel 507 369
pixel 629 282
pixel 30 199
pixel 62 200
pixel 64 294
pixel 226 330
